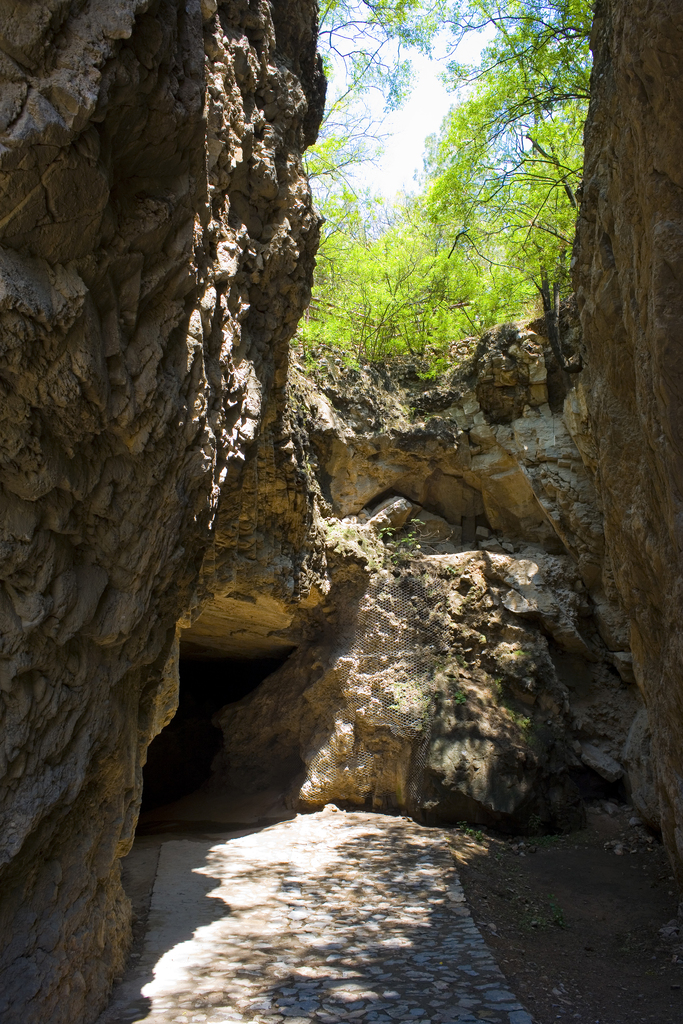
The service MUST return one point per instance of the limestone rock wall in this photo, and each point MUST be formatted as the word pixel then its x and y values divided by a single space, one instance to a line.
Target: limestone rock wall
pixel 461 653
pixel 481 447
pixel 156 244
pixel 628 278
pixel 450 687
pixel 266 575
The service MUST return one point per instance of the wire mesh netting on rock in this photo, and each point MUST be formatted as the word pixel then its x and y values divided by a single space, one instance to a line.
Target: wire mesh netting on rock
pixel 384 703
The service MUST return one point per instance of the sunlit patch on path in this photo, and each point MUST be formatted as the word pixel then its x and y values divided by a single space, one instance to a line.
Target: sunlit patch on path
pixel 330 917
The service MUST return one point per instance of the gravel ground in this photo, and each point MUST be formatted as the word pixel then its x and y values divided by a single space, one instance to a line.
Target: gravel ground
pixel 584 926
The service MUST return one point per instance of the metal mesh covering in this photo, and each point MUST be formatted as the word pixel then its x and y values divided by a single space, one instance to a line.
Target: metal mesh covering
pixel 386 703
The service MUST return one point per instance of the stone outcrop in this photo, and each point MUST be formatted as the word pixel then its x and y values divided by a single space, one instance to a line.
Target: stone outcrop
pixel 479 575
pixel 267 571
pixel 460 654
pixel 156 244
pixel 628 261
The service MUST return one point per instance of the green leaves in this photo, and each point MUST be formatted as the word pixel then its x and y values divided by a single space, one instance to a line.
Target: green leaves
pixel 362 44
pixel 388 282
pixel 384 287
pixel 506 169
pixel 497 216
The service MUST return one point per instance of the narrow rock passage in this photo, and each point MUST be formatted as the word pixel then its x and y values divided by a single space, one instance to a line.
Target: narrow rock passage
pixel 329 917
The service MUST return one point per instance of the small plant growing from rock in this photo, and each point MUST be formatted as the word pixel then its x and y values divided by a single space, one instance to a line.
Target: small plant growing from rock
pixel 535 825
pixel 557 913
pixel 409 698
pixel 521 721
pixel 349 540
pixel 473 833
pixel 451 571
pixel 405 547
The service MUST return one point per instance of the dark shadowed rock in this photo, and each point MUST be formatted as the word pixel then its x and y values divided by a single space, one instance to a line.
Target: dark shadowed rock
pixel 628 276
pixel 156 244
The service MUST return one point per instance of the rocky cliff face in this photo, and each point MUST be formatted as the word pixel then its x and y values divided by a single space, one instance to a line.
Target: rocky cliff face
pixel 463 566
pixel 156 243
pixel 460 653
pixel 628 271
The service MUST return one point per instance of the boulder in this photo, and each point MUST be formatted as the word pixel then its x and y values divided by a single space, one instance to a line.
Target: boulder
pixel 392 513
pixel 432 529
pixel 601 762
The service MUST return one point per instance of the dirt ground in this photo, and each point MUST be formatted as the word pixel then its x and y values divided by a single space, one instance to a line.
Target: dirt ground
pixel 575 920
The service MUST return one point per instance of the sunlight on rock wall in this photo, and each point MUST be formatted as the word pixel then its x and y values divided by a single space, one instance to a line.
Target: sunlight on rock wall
pixel 156 250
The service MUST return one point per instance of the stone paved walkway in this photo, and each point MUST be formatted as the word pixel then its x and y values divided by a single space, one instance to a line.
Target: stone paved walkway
pixel 330 917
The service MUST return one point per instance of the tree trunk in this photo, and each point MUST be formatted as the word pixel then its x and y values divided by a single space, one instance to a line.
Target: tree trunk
pixel 551 308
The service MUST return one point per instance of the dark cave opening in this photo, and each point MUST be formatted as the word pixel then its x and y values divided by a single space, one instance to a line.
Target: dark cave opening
pixel 592 786
pixel 179 759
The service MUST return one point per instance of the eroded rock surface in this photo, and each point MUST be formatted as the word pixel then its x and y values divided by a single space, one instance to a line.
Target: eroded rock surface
pixel 156 242
pixel 628 281
pixel 463 657
pixel 160 461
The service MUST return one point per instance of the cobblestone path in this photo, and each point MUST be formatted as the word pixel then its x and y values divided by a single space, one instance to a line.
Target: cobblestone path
pixel 330 917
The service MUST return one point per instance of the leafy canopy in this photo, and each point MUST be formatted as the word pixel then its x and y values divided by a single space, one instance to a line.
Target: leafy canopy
pixel 505 171
pixel 495 219
pixel 385 285
pixel 363 44
pixel 365 39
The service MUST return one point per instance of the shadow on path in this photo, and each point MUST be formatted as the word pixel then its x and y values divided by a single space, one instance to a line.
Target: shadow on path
pixel 331 917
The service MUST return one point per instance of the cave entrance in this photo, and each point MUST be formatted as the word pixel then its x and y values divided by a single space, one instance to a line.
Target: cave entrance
pixel 179 759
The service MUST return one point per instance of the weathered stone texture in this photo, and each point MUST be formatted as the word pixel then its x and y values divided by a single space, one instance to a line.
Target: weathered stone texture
pixel 156 242
pixel 629 283
pixel 267 568
pixel 459 652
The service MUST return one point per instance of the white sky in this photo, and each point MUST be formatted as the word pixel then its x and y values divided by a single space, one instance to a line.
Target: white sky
pixel 409 127
pixel 421 116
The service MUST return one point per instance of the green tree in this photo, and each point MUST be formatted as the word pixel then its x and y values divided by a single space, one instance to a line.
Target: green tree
pixel 385 286
pixel 494 226
pixel 506 168
pixel 363 45
pixel 366 39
